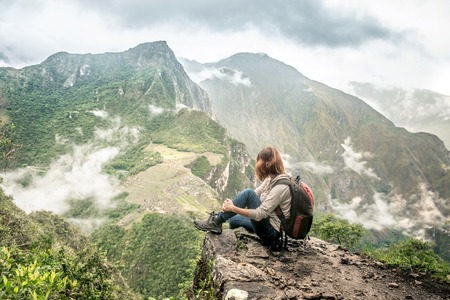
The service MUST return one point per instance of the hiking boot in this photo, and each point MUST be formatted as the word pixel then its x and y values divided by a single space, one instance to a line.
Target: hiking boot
pixel 276 246
pixel 211 225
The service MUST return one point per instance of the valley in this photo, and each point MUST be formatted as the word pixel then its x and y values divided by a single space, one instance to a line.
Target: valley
pixel 149 150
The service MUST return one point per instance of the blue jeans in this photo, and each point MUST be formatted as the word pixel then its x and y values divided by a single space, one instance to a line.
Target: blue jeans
pixel 248 199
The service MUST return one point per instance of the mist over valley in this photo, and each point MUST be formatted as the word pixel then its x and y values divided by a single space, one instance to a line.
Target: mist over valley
pixel 119 143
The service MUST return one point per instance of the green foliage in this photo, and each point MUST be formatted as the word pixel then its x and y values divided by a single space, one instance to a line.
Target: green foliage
pixel 56 230
pixel 50 274
pixel 8 145
pixel 201 167
pixel 412 255
pixel 157 255
pixel 133 160
pixel 203 286
pixel 43 257
pixel 192 131
pixel 88 208
pixel 337 230
pixel 441 239
pixel 61 94
pixel 82 208
pixel 16 228
pixel 121 208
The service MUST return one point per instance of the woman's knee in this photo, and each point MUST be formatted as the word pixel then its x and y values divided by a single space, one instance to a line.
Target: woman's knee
pixel 249 191
pixel 237 221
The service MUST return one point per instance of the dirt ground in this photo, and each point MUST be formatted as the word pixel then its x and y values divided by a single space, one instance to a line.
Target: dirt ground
pixel 311 270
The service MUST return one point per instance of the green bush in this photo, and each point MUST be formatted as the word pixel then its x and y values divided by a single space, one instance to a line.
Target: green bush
pixel 51 274
pixel 337 230
pixel 201 167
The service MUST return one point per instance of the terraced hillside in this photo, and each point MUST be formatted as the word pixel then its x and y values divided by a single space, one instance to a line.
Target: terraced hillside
pixel 170 187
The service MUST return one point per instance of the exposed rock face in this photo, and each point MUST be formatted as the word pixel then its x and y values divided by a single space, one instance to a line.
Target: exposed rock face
pixel 236 266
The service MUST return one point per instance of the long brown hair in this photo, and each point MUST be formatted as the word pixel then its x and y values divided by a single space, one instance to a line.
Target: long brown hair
pixel 268 162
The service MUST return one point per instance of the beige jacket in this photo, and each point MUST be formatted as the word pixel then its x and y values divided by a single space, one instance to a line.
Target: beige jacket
pixel 271 197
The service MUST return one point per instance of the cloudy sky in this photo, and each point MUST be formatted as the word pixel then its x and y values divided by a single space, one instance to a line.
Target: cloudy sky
pixel 399 43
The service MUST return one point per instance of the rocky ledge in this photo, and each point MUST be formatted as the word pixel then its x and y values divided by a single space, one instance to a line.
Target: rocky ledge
pixel 235 266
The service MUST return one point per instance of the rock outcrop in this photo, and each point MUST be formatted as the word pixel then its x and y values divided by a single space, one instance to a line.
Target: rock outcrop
pixel 235 266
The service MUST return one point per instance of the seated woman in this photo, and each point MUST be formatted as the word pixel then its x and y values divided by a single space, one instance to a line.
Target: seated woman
pixel 254 209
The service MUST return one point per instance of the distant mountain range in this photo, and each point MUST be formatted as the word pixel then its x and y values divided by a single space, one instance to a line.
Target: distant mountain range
pixel 416 110
pixel 119 142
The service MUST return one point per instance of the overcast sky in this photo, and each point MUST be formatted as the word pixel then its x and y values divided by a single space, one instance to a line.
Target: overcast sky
pixel 400 43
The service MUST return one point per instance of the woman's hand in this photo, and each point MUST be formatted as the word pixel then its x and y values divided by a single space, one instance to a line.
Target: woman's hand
pixel 228 205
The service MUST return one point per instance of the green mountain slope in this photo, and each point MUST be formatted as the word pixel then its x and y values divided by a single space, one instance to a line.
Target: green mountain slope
pixel 43 256
pixel 59 97
pixel 121 140
pixel 359 164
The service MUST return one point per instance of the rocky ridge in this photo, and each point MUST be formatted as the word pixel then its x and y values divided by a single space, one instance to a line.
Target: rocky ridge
pixel 236 266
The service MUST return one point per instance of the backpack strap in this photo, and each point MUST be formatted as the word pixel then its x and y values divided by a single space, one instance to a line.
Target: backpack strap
pixel 280 214
pixel 278 210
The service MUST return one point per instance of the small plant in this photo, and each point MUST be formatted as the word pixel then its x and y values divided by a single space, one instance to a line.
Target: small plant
pixel 241 244
pixel 204 287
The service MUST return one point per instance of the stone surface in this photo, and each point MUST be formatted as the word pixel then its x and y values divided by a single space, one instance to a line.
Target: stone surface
pixel 241 268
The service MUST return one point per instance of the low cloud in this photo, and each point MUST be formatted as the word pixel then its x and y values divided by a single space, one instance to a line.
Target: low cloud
pixel 180 106
pixel 317 168
pixel 117 133
pixel 354 160
pixel 415 109
pixel 376 215
pixel 404 107
pixel 155 110
pixel 77 175
pixel 60 139
pixel 426 206
pixel 99 113
pixel 310 166
pixel 234 77
pixel 395 212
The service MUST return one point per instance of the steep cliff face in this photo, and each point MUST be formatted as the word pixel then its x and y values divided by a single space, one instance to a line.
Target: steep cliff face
pixel 236 266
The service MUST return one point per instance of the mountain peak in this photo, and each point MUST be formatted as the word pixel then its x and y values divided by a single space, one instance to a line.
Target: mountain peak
pixel 152 46
pixel 146 54
pixel 258 63
pixel 56 57
pixel 143 55
pixel 259 56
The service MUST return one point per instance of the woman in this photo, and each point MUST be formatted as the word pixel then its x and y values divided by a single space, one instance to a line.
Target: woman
pixel 254 209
